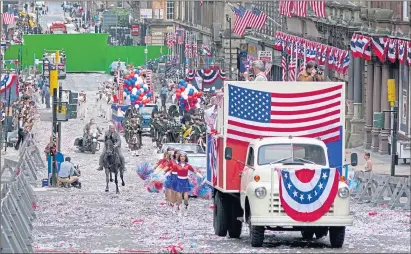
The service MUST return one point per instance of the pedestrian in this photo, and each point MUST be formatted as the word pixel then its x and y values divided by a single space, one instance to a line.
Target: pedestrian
pixel 82 105
pixel 164 91
pixel 259 69
pixel 368 164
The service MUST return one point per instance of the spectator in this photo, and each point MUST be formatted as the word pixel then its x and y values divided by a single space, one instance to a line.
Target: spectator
pixel 309 72
pixel 368 164
pixel 164 91
pixel 67 173
pixel 258 69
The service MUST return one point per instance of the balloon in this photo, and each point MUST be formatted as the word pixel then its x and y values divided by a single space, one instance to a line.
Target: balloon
pixel 139 80
pixel 178 91
pixel 124 94
pixel 189 85
pixel 145 97
pixel 134 91
pixel 181 99
pixel 185 96
pixel 132 74
pixel 127 77
pixel 145 89
pixel 191 91
pixel 178 95
pixel 181 82
pixel 136 106
pixel 190 98
pixel 142 89
pixel 182 88
pixel 138 86
pixel 149 94
pixel 145 86
pixel 200 94
pixel 140 104
pixel 137 72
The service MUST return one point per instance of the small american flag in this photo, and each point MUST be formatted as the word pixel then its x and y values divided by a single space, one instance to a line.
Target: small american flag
pixel 258 18
pixel 284 66
pixel 8 18
pixel 318 8
pixel 313 114
pixel 291 69
pixel 242 20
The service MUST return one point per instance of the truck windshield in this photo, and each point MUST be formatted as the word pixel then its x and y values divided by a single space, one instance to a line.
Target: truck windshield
pixel 303 153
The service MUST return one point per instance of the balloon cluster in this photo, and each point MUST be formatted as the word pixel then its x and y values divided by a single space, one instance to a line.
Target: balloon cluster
pixel 188 95
pixel 137 92
pixel 144 170
pixel 155 181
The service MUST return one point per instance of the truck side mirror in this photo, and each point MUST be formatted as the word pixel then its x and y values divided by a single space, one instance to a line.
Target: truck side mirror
pixel 354 159
pixel 228 153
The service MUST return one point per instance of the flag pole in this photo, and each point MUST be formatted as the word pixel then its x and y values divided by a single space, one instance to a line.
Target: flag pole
pixel 268 17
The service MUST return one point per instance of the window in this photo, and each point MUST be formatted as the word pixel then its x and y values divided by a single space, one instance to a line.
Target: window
pixel 149 4
pixel 291 153
pixel 250 158
pixel 170 10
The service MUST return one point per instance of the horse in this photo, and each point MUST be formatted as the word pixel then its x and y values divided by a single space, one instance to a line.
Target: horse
pixel 112 164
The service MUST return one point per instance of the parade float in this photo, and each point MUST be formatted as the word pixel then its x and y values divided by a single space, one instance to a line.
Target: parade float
pixel 206 78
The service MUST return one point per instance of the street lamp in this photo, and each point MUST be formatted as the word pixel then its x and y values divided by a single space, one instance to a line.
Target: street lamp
pixel 228 18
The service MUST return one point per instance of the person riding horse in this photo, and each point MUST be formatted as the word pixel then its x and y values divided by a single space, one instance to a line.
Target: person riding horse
pixel 115 138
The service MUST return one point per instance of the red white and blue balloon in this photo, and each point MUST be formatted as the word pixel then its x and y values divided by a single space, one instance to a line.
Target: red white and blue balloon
pixel 306 194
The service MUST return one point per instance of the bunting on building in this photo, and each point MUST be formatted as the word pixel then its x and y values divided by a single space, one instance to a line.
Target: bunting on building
pixel 299 8
pixel 384 48
pixel 336 59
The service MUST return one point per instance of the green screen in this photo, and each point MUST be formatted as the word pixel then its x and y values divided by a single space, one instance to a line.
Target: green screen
pixel 85 52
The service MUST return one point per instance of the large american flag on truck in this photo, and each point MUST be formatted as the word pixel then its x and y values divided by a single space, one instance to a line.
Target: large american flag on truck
pixel 256 114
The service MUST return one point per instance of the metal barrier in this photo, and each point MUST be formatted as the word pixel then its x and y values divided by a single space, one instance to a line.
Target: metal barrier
pixel 380 189
pixel 18 200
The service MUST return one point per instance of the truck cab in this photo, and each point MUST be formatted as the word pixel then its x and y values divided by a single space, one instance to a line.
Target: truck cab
pixel 260 203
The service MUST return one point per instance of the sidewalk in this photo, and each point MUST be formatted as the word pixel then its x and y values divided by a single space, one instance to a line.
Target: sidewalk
pixel 380 163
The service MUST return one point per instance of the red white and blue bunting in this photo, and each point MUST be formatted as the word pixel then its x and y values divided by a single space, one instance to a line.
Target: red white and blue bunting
pixel 209 75
pixel 384 48
pixel 336 59
pixel 6 82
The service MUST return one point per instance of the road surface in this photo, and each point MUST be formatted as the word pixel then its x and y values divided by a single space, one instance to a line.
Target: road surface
pixel 91 220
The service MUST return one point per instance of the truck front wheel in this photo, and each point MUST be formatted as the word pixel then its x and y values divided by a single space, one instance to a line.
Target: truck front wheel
pixel 337 235
pixel 219 216
pixel 256 234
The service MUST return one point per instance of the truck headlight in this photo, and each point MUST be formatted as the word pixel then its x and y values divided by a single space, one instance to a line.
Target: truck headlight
pixel 260 192
pixel 344 192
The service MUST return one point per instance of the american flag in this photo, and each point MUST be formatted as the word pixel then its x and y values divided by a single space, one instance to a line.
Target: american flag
pixel 300 8
pixel 8 18
pixel 286 8
pixel 243 18
pixel 301 68
pixel 170 41
pixel 258 18
pixel 180 35
pixel 284 66
pixel 318 8
pixel 291 69
pixel 313 114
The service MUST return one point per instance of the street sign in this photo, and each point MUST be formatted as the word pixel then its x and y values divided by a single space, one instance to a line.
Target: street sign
pixel 379 120
pixel 265 56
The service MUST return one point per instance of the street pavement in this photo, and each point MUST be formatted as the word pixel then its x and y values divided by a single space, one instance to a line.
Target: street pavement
pixel 91 220
pixel 55 14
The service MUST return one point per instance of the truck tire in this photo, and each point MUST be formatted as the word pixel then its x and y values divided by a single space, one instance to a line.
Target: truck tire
pixel 235 226
pixel 337 235
pixel 307 234
pixel 220 215
pixel 256 235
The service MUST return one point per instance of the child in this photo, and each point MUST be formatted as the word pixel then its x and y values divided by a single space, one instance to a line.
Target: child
pixel 182 185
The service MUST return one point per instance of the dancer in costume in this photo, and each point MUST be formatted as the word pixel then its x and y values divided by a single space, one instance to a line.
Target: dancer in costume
pixel 172 172
pixel 182 185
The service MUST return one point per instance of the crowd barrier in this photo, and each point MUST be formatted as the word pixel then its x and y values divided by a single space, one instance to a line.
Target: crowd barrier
pixel 378 189
pixel 18 200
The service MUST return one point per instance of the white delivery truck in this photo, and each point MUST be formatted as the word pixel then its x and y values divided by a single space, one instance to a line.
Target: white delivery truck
pixel 275 155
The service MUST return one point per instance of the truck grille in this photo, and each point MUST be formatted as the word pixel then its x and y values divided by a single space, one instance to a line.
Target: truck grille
pixel 276 209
